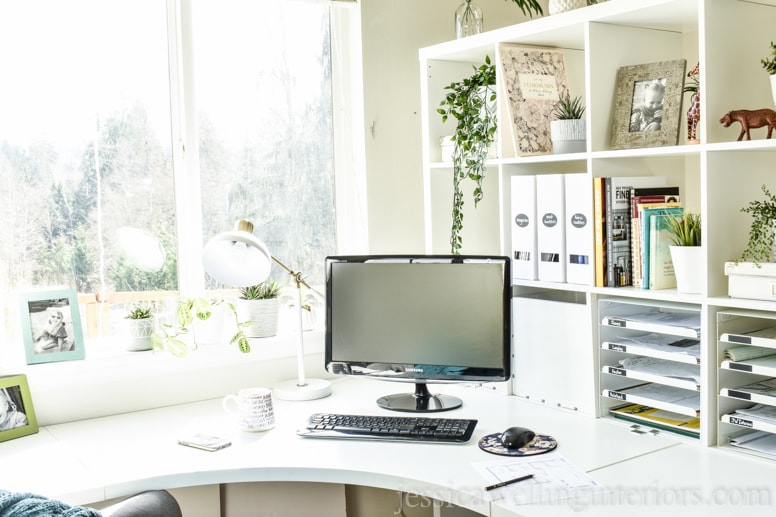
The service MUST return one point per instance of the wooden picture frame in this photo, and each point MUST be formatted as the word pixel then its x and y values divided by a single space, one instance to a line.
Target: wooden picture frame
pixel 641 117
pixel 534 81
pixel 51 326
pixel 17 416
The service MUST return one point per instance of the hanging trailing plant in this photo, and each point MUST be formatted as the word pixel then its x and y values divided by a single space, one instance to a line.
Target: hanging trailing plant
pixel 471 102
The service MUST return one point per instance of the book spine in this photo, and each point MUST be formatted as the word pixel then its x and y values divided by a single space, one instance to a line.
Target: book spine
pixel 635 229
pixel 608 224
pixel 599 218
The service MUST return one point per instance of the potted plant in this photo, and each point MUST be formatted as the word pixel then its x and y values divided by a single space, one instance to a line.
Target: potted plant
pixel 471 102
pixel 560 6
pixel 761 232
pixel 193 311
pixel 529 7
pixel 567 130
pixel 769 64
pixel 684 233
pixel 262 304
pixel 139 323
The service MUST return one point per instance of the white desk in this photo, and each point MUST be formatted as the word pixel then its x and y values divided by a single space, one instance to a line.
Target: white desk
pixel 102 458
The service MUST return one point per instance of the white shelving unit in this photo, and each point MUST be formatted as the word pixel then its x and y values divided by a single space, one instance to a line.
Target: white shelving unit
pixel 717 177
pixel 753 331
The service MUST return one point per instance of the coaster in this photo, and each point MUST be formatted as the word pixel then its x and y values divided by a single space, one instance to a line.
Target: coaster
pixel 542 443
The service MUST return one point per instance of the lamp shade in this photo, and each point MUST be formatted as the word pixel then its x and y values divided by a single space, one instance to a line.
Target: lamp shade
pixel 237 258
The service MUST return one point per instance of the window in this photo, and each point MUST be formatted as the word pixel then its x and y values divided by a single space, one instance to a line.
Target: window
pixel 101 108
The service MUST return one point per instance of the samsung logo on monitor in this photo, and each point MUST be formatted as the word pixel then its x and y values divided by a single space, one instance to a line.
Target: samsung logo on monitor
pixel 413 370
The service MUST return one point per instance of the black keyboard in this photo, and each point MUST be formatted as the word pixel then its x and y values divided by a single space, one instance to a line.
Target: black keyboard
pixel 402 428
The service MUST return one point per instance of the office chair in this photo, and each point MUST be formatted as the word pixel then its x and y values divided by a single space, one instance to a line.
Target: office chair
pixel 154 503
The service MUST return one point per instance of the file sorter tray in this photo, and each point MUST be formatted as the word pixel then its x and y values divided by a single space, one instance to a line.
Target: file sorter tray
pixel 677 400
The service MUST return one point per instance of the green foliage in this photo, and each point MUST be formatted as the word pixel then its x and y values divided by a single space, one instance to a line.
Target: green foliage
pixel 140 312
pixel 263 291
pixel 760 245
pixel 168 337
pixel 685 230
pixel 568 108
pixel 769 63
pixel 469 102
pixel 530 7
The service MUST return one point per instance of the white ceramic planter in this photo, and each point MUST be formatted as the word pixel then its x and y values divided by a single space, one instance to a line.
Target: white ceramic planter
pixel 568 136
pixel 688 268
pixel 139 333
pixel 560 6
pixel 773 88
pixel 263 315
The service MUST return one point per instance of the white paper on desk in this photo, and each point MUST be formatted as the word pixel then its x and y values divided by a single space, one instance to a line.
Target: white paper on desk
pixel 554 479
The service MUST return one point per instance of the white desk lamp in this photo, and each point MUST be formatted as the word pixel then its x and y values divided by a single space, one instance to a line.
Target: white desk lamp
pixel 239 259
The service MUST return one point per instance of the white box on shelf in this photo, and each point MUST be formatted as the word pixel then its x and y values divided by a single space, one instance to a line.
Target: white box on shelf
pixel 551 230
pixel 523 224
pixel 750 280
pixel 579 229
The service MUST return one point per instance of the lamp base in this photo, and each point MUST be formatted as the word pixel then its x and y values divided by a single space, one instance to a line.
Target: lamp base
pixel 314 389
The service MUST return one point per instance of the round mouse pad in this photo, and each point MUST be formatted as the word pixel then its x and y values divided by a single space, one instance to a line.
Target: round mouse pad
pixel 539 445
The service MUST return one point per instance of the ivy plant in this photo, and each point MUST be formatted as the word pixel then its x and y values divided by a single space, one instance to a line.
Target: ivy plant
pixel 471 102
pixel 760 245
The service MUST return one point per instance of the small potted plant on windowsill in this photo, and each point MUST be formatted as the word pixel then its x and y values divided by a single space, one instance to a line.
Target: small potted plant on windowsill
pixel 686 252
pixel 262 304
pixel 190 316
pixel 567 131
pixel 139 323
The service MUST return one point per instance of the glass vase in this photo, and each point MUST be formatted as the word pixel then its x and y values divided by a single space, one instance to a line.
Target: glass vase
pixel 468 20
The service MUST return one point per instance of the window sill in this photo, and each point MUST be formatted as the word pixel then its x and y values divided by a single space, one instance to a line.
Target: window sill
pixel 112 381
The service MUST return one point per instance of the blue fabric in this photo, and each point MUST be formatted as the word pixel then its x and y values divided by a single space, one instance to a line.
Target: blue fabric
pixel 15 504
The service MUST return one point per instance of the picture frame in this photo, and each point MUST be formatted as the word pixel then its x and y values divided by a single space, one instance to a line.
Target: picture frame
pixel 647 104
pixel 17 415
pixel 51 326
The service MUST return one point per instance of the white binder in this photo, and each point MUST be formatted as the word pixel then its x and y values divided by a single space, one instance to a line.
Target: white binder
pixel 579 229
pixel 523 224
pixel 551 230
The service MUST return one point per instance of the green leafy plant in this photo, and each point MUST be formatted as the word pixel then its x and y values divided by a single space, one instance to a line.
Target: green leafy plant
pixel 769 63
pixel 470 102
pixel 568 108
pixel 140 312
pixel 263 291
pixel 685 230
pixel 529 7
pixel 168 338
pixel 760 245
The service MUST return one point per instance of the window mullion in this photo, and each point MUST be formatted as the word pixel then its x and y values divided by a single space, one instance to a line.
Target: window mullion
pixel 185 148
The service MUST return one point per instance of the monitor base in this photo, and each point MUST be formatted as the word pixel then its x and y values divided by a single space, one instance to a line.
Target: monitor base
pixel 419 402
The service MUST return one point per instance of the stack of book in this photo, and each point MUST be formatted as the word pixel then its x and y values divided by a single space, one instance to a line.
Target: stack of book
pixel 627 214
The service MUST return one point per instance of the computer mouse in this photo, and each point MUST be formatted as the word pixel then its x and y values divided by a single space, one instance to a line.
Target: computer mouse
pixel 516 437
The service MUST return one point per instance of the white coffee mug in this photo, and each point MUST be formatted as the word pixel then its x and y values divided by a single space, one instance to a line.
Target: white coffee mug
pixel 251 409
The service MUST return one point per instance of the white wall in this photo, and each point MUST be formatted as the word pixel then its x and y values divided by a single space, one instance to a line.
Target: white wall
pixel 392 33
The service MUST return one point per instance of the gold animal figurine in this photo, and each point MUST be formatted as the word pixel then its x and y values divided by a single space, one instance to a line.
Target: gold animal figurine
pixel 750 119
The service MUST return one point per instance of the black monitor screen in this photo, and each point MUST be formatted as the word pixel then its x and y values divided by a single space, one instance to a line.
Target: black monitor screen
pixel 419 318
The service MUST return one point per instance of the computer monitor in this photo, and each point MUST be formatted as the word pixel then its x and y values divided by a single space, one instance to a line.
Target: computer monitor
pixel 419 318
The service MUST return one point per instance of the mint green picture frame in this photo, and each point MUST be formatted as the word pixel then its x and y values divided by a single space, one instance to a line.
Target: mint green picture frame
pixel 17 415
pixel 51 326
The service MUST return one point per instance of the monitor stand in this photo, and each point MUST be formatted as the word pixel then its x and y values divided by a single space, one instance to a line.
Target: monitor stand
pixel 419 402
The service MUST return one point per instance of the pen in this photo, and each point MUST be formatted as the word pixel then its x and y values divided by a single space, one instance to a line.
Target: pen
pixel 509 482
